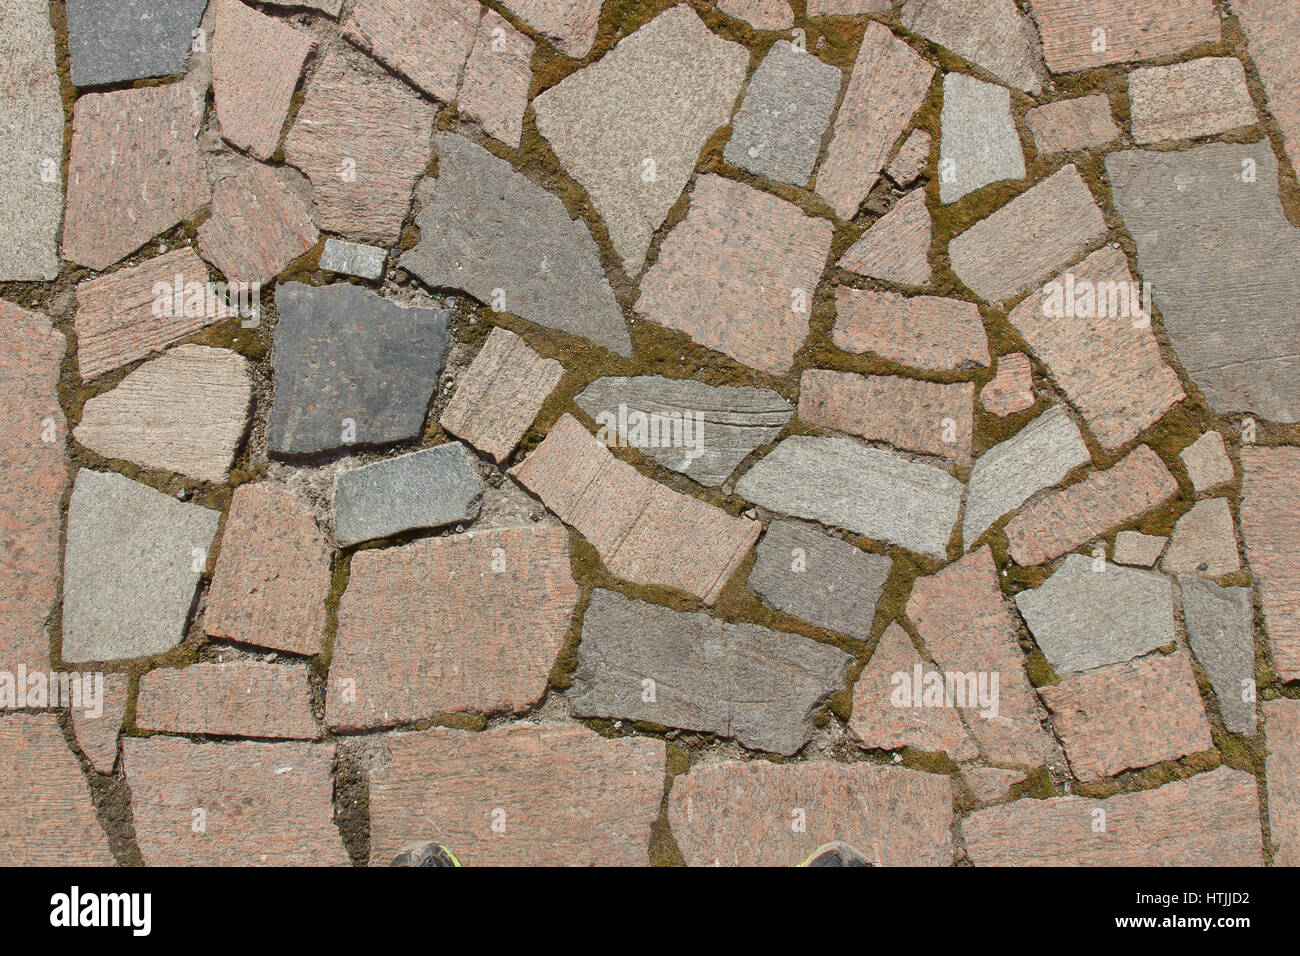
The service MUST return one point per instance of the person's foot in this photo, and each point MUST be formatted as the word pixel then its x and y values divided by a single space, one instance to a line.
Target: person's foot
pixel 836 854
pixel 425 854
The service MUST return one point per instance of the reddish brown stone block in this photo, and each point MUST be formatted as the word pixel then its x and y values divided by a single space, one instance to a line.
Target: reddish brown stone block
pixel 427 41
pixel 1012 388
pixel 571 24
pixel 923 331
pixel 1270 524
pixel 240 699
pixel 1078 34
pixel 258 226
pixel 494 92
pixel 1084 122
pixel 1282 728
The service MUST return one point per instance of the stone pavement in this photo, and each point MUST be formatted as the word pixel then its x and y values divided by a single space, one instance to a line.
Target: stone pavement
pixel 672 432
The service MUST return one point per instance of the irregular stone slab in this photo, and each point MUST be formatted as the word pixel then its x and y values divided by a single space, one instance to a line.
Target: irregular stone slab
pixel 1211 819
pixel 1270 526
pixel 110 41
pixel 570 25
pixel 738 813
pixel 500 394
pixel 923 331
pixel 866 490
pixel 642 530
pixel 1012 389
pixel 879 721
pixel 494 92
pixel 989 33
pixel 273 573
pixel 351 367
pixel 1221 632
pixel 256 63
pixel 777 132
pixel 887 87
pixel 427 41
pixel 1129 716
pixel 1207 462
pixel 630 126
pixel 257 226
pixel 97 733
pixel 242 699
pixel 736 275
pixel 1065 519
pixel 1065 126
pixel 1088 325
pixel 725 424
pixel 913 155
pixel 1137 549
pixel 33 474
pixel 640 661
pixel 494 233
pixel 760 14
pixel 1186 100
pixel 992 783
pixel 1009 474
pixel 353 259
pixel 911 415
pixel 1204 541
pixel 818 577
pixel 1222 260
pixel 1128 31
pixel 363 141
pixel 1282 723
pixel 897 246
pixel 46 814
pixel 426 489
pixel 185 412
pixel 1041 229
pixel 262 804
pixel 979 144
pixel 134 170
pixel 31 147
pixel 565 795
pixel 967 626
pixel 1270 27
pixel 133 560
pixel 846 8
pixel 1082 618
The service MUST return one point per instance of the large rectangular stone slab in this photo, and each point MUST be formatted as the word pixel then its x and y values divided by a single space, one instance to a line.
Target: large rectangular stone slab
pixel 924 331
pixel 1079 34
pixel 1064 126
pixel 1270 525
pixel 240 699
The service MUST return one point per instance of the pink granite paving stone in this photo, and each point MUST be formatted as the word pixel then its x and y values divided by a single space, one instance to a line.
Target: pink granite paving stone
pixel 97 730
pixel 134 170
pixel 1282 728
pixel 760 14
pixel 256 63
pixel 991 783
pixel 494 91
pixel 427 41
pixel 519 796
pixel 906 167
pixel 738 274
pixel 924 331
pixel 239 699
pixel 1070 125
pixel 1271 27
pixel 258 226
pixel 569 24
pixel 1079 34
pixel 896 248
pixel 755 813
pixel 643 531
pixel 1270 525
pixel 1012 388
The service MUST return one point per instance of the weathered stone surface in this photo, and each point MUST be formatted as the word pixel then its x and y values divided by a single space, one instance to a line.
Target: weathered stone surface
pixel 731 275
pixel 1211 819
pixel 264 804
pixel 967 626
pixel 425 489
pixel 1221 632
pixel 565 795
pixel 345 355
pixel 1207 462
pixel 846 8
pixel 923 331
pixel 640 661
pixel 570 25
pixel 490 230
pixel 494 92
pixel 866 490
pixel 777 132
pixel 1137 549
pixel 258 226
pixel 31 145
pixel 33 474
pixel 909 414
pixel 1224 262
pixel 97 733
pixel 110 41
pixel 363 141
pixel 761 14
pixel 329 7
pixel 992 783
pixel 256 63
pixel 1130 31
pixel 1083 618
pixel 879 722
pixel 979 144
pixel 1128 716
pixel 1072 516
pixel 726 423
pixel 1271 27
pixel 353 259
pixel 1089 328
pixel 184 411
pixel 133 560
pixel 989 33
pixel 897 246
pixel 648 104
pixel 242 699
pixel 642 530
pixel 1010 473
pixel 823 579
pixel 888 84
pixel 1041 229
pixel 738 813
pixel 1084 122
pixel 46 814
pixel 1270 525
pixel 1186 100
pixel 1282 726
pixel 134 170
pixel 272 575
pixel 427 41
pixel 1012 389
pixel 913 155
pixel 1204 541
pixel 500 394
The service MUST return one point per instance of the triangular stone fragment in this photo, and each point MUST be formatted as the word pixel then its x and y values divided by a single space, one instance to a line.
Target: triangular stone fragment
pixel 896 247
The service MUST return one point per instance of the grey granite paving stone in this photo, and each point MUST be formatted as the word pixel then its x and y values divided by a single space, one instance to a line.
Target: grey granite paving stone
pixel 353 259
pixel 988 33
pixel 1207 462
pixel 110 41
pixel 1204 541
pixel 1138 550
pixel 1221 631
pixel 979 144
